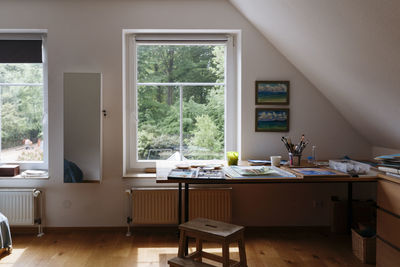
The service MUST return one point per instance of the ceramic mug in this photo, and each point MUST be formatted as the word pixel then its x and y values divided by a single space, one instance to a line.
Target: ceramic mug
pixel 276 161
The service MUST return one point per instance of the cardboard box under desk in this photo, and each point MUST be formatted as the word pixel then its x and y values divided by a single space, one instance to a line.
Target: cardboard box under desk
pixel 9 170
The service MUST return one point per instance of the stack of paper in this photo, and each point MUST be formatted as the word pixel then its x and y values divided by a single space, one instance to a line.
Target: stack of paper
pixel 389 164
pixel 34 174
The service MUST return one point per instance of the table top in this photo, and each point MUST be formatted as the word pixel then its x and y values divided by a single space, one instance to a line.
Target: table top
pixel 163 170
pixel 268 180
pixel 389 178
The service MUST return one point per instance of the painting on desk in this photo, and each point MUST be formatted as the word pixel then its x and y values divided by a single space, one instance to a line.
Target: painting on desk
pixel 272 120
pixel 320 172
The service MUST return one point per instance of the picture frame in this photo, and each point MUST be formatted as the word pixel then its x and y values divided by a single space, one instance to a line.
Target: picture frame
pixel 272 92
pixel 272 120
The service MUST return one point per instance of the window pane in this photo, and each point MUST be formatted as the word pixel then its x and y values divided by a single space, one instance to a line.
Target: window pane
pixel 158 126
pixel 21 123
pixel 203 122
pixel 21 73
pixel 181 63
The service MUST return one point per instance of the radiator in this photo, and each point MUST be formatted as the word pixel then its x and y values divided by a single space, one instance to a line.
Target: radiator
pixel 160 206
pixel 154 206
pixel 212 204
pixel 21 206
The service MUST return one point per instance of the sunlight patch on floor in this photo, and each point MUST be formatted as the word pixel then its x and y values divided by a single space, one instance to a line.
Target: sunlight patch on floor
pixel 12 258
pixel 153 254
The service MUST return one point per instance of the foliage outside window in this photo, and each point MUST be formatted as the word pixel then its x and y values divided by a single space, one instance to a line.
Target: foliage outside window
pixel 180 101
pixel 22 110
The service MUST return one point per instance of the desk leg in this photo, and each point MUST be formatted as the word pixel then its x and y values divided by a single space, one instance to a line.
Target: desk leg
pixel 349 206
pixel 186 202
pixel 186 216
pixel 179 203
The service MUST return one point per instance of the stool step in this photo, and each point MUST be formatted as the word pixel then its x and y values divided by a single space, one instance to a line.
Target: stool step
pixel 175 262
pixel 211 227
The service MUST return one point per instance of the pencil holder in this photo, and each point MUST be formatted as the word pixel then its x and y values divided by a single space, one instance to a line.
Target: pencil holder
pixel 294 159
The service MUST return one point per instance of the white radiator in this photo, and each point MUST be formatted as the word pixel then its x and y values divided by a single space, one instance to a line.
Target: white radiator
pixel 215 204
pixel 154 206
pixel 160 206
pixel 21 206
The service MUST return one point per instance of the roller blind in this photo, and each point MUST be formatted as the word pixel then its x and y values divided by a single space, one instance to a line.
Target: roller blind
pixel 181 38
pixel 21 51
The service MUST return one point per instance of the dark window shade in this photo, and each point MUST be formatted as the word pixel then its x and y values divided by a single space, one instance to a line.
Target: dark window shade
pixel 21 51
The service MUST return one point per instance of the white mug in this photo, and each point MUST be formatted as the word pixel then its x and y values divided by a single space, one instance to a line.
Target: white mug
pixel 276 161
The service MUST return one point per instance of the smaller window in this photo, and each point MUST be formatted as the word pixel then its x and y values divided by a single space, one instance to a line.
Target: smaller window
pixel 23 105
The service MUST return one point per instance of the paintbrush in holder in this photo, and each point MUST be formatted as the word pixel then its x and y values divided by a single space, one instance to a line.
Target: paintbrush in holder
pixel 295 151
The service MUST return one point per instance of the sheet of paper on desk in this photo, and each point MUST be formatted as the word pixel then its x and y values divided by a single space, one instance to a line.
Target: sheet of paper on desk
pixel 198 173
pixel 181 173
pixel 252 170
pixel 210 174
pixel 266 172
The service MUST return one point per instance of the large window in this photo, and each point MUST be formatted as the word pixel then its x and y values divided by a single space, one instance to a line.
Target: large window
pixel 23 127
pixel 179 97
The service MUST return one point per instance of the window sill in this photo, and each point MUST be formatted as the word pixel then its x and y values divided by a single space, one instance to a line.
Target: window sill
pixel 134 175
pixel 19 177
pixel 166 164
pixel 85 182
pixel 34 174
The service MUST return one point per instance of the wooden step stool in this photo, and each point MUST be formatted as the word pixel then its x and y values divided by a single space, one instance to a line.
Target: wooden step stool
pixel 213 231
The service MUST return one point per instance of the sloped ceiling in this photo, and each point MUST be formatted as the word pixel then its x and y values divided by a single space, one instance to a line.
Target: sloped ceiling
pixel 350 50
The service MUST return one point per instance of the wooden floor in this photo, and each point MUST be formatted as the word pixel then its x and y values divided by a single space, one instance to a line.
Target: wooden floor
pixel 264 247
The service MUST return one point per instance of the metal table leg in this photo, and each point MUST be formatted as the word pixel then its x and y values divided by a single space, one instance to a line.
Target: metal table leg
pixel 186 202
pixel 349 206
pixel 187 215
pixel 179 203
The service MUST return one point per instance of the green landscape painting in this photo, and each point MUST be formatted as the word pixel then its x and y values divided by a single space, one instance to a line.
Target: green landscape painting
pixel 272 92
pixel 272 120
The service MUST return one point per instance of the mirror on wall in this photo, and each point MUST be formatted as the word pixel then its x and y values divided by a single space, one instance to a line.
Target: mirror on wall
pixel 82 127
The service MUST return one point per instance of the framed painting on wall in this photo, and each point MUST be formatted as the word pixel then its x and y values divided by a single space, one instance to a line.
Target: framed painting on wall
pixel 272 120
pixel 272 92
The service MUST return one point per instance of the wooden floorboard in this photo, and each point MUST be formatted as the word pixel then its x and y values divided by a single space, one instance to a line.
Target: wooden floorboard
pixel 264 247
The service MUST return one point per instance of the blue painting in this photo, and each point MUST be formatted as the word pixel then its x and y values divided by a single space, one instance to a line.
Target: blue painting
pixel 272 120
pixel 272 92
pixel 314 171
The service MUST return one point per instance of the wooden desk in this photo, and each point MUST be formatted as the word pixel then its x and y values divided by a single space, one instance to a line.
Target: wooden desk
pixel 162 173
pixel 162 177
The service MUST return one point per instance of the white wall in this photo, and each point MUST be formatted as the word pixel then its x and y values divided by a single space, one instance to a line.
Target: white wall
pixel 348 49
pixel 86 36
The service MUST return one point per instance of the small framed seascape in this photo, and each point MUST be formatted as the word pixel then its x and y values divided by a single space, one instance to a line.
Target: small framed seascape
pixel 272 92
pixel 272 120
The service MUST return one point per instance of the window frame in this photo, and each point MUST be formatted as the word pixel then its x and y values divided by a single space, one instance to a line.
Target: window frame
pixel 34 35
pixel 131 163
